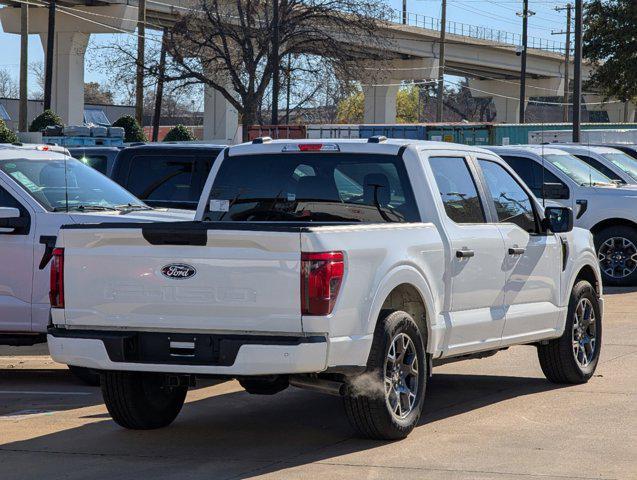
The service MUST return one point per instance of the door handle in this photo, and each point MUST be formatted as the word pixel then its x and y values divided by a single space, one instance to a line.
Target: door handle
pixel 464 253
pixel 516 251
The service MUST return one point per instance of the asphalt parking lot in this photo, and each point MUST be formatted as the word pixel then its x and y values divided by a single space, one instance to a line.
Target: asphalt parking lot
pixel 495 418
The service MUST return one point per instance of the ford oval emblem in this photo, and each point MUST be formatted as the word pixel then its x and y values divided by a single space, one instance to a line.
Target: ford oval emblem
pixel 178 271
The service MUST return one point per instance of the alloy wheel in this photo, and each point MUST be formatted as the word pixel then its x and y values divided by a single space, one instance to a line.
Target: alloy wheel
pixel 584 333
pixel 617 257
pixel 401 376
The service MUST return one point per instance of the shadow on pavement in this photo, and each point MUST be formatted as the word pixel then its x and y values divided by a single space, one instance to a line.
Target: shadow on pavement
pixel 236 435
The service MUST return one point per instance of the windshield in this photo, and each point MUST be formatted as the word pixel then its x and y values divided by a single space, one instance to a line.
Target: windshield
pixel 578 170
pixel 59 185
pixel 312 187
pixel 627 163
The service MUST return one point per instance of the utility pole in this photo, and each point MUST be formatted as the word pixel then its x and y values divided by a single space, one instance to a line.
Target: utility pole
pixel 526 13
pixel 289 90
pixel 567 56
pixel 577 89
pixel 48 70
pixel 276 63
pixel 139 77
pixel 441 62
pixel 159 93
pixel 24 66
pixel 404 12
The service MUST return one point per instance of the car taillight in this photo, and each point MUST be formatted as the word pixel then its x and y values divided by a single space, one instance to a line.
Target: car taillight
pixel 321 277
pixel 56 294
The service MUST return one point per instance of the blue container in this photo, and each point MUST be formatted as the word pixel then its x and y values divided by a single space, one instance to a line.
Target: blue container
pixel 465 133
pixel 399 130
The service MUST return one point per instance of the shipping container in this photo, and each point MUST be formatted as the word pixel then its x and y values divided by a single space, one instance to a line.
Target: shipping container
pixel 465 133
pixel 333 131
pixel 277 131
pixel 400 130
pixel 623 135
pixel 518 134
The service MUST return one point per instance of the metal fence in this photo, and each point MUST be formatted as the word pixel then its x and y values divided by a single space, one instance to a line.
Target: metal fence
pixel 478 32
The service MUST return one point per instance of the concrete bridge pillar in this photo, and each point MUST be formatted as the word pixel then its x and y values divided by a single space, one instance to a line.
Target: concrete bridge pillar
pixel 380 93
pixel 618 112
pixel 505 94
pixel 220 118
pixel 67 93
pixel 71 38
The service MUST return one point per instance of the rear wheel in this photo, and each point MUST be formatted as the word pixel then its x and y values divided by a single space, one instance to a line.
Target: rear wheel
pixel 385 402
pixel 617 254
pixel 573 357
pixel 140 400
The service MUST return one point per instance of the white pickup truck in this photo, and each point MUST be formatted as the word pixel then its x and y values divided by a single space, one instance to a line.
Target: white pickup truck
pixel 40 190
pixel 350 267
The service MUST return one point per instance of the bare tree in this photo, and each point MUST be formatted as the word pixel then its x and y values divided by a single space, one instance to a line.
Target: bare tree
pixel 228 46
pixel 8 85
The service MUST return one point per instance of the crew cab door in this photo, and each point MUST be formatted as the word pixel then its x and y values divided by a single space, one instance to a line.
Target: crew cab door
pixel 533 259
pixel 16 267
pixel 474 302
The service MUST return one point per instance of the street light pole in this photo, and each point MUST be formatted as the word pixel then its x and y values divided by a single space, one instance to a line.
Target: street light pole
pixel 567 57
pixel 577 73
pixel 441 62
pixel 525 38
pixel 24 66
pixel 139 77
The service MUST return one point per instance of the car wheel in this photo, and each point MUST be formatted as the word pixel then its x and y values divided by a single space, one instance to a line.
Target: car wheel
pixel 385 402
pixel 140 400
pixel 87 375
pixel 573 357
pixel 617 255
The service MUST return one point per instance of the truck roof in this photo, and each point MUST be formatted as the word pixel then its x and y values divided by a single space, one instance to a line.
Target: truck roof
pixel 31 152
pixel 584 148
pixel 165 145
pixel 390 146
pixel 535 149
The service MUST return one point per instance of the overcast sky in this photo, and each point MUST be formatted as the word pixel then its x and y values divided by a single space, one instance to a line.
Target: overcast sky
pixel 496 14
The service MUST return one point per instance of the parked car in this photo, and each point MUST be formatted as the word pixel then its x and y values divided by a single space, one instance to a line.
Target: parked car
pixel 166 174
pixel 630 149
pixel 41 190
pixel 613 163
pixel 349 267
pixel 608 210
pixel 100 158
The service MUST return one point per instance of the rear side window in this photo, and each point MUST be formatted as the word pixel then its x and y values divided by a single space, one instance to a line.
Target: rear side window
pixel 313 187
pixel 457 189
pixel 161 177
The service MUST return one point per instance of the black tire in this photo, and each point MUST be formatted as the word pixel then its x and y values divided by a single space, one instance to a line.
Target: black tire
pixel 140 401
pixel 366 403
pixel 619 232
pixel 87 375
pixel 557 358
pixel 265 385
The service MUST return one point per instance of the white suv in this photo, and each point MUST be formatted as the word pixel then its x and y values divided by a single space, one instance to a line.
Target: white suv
pixel 600 205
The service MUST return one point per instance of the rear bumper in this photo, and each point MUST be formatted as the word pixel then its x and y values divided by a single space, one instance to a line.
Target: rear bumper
pixel 215 354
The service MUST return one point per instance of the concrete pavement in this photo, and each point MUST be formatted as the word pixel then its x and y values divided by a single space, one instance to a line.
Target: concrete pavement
pixel 495 418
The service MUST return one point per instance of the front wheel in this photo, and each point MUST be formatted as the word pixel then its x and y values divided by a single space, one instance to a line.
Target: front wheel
pixel 385 402
pixel 141 400
pixel 617 255
pixel 573 357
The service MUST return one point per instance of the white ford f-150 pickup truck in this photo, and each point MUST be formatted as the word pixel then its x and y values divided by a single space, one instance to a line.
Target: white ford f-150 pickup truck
pixel 351 267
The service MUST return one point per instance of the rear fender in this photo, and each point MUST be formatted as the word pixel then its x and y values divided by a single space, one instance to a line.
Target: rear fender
pixel 407 274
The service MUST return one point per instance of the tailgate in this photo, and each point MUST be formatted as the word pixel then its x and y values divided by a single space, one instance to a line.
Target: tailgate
pixel 246 281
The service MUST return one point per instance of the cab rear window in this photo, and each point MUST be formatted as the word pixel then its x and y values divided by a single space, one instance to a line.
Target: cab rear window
pixel 312 187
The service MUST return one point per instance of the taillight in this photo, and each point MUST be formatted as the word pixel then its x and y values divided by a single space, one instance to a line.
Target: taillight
pixel 56 294
pixel 321 277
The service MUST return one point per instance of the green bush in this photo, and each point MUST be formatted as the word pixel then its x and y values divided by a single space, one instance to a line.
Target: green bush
pixel 132 131
pixel 6 134
pixel 178 133
pixel 45 119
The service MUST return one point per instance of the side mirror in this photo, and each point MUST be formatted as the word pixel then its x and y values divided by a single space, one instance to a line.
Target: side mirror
pixel 558 219
pixel 10 219
pixel 555 191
